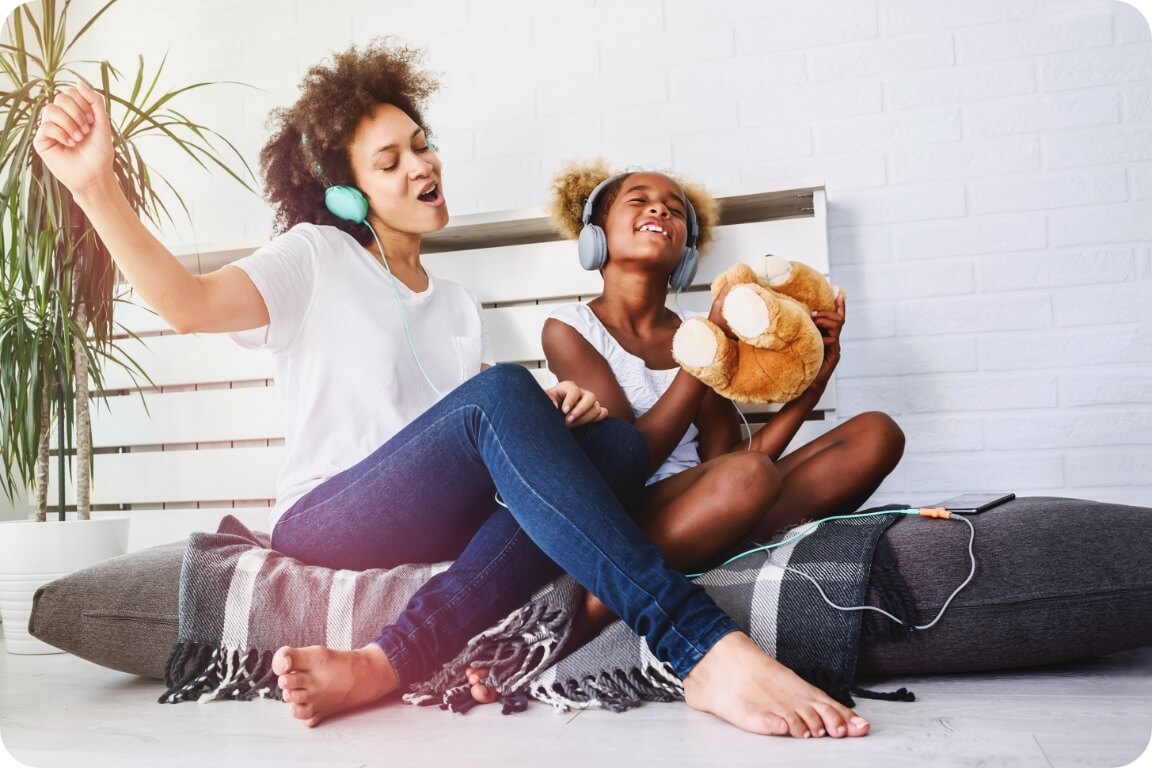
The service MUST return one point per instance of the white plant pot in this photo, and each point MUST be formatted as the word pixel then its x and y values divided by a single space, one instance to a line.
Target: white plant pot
pixel 33 554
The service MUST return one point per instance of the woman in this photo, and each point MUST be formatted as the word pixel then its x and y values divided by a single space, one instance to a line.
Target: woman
pixel 374 356
pixel 710 493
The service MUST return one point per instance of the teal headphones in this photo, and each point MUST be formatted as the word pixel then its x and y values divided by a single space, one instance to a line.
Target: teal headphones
pixel 342 201
pixel 347 203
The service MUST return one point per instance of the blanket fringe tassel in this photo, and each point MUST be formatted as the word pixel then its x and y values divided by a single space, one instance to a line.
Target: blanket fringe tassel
pixel 617 691
pixel 900 694
pixel 514 652
pixel 202 673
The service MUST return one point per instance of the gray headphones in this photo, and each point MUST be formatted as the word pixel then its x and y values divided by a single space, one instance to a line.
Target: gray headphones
pixel 593 246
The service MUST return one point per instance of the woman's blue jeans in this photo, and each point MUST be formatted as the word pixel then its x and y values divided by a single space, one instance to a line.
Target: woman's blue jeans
pixel 428 495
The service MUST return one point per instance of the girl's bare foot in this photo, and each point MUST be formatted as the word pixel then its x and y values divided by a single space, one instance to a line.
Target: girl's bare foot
pixel 480 690
pixel 591 617
pixel 319 682
pixel 738 682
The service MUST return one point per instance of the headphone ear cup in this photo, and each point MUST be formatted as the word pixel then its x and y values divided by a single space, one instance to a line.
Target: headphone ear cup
pixel 592 247
pixel 681 277
pixel 347 203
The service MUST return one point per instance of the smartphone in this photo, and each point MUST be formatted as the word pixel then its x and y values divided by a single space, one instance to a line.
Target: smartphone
pixel 974 503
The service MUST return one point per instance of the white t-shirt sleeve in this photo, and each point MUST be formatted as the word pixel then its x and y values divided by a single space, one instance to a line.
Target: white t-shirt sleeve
pixel 486 356
pixel 285 272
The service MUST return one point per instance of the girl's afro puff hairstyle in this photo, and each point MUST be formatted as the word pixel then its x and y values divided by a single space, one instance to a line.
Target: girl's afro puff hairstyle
pixel 335 96
pixel 575 182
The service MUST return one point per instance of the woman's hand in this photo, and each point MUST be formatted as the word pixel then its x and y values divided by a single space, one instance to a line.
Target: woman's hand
pixel 579 406
pixel 74 138
pixel 830 325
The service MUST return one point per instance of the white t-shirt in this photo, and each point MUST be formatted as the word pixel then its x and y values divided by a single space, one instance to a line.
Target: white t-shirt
pixel 345 372
pixel 642 385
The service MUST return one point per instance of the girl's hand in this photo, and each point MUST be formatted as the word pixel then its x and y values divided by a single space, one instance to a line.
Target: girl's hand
pixel 830 325
pixel 579 406
pixel 716 314
pixel 74 138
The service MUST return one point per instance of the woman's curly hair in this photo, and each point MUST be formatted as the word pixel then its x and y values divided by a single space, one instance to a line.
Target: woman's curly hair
pixel 575 182
pixel 308 150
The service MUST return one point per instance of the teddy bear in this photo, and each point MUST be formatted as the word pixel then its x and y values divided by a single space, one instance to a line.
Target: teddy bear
pixel 778 349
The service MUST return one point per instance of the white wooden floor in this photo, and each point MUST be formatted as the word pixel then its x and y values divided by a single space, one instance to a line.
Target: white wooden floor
pixel 60 711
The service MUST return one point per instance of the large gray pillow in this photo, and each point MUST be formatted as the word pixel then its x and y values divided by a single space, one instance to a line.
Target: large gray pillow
pixel 121 613
pixel 1057 579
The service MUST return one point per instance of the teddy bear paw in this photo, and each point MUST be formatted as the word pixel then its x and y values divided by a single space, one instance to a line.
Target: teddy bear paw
pixel 695 344
pixel 747 312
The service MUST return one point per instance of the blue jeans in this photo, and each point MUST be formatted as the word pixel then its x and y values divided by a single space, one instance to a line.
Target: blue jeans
pixel 428 495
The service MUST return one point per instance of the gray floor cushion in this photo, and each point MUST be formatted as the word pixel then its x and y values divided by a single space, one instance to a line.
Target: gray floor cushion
pixel 121 613
pixel 1056 579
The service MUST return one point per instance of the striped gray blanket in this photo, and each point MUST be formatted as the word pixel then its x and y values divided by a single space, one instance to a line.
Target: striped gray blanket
pixel 240 601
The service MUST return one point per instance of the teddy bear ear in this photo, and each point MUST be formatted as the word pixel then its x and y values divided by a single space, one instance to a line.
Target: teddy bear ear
pixel 776 267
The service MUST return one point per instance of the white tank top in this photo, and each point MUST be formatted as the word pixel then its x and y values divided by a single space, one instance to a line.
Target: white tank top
pixel 642 385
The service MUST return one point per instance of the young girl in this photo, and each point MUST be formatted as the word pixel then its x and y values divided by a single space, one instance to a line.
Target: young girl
pixel 710 493
pixel 397 450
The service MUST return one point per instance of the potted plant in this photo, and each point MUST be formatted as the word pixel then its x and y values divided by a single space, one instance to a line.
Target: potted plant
pixel 58 287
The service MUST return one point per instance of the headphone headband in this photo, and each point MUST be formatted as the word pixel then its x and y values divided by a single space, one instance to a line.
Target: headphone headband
pixel 313 164
pixel 592 244
pixel 343 202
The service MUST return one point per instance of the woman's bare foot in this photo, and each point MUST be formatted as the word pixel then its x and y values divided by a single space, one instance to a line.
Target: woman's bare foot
pixel 319 682
pixel 738 682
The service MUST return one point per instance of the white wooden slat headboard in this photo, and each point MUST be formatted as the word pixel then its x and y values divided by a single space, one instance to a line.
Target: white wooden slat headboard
pixel 206 439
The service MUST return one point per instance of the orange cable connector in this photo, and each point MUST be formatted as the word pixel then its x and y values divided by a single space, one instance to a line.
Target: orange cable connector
pixel 939 512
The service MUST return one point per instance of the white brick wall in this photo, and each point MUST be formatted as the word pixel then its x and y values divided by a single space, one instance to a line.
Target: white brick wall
pixel 988 164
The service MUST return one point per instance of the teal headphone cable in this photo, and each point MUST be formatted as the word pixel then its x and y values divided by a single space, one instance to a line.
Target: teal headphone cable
pixel 939 615
pixel 812 526
pixel 350 204
pixel 400 304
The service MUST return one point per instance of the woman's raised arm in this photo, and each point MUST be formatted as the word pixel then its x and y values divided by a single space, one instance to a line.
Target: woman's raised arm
pixel 74 140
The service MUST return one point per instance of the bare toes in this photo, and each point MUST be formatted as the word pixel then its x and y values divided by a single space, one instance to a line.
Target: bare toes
pixel 858 726
pixel 282 661
pixel 483 694
pixel 777 726
pixel 832 719
pixel 291 681
pixel 813 723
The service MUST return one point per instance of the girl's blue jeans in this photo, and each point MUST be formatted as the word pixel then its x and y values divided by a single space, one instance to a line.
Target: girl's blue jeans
pixel 429 495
